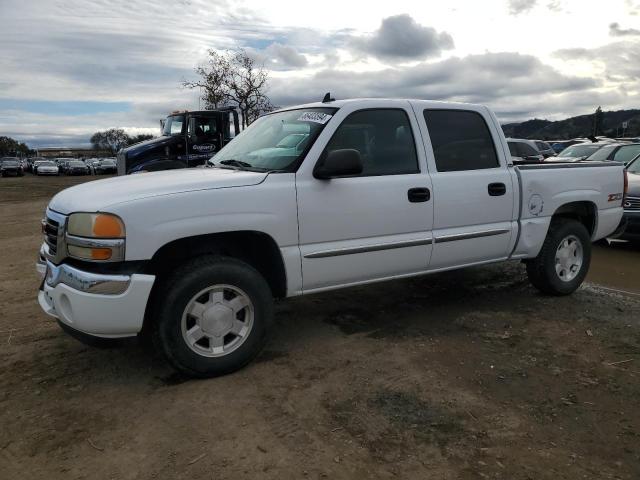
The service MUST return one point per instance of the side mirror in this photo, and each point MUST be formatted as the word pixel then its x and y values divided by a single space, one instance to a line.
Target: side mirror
pixel 532 158
pixel 338 163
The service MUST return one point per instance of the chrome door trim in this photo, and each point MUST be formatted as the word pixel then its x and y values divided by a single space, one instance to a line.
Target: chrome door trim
pixel 368 248
pixel 466 236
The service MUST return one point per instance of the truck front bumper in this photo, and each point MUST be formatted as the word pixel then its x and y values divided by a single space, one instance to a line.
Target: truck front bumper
pixel 108 306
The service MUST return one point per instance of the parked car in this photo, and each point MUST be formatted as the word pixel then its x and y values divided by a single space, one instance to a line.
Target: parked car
pixel 63 164
pixel 11 166
pixel 76 167
pixel 577 152
pixel 36 163
pixel 544 148
pixel 616 152
pixel 92 163
pixel 198 255
pixel 108 165
pixel 47 168
pixel 629 228
pixel 524 151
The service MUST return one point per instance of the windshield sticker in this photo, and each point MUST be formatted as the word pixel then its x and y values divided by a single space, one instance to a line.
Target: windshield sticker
pixel 317 117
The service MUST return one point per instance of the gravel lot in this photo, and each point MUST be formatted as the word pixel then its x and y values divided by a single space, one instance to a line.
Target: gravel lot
pixel 463 375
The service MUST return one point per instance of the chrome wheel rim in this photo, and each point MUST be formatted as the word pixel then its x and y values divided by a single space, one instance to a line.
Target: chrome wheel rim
pixel 217 320
pixel 569 257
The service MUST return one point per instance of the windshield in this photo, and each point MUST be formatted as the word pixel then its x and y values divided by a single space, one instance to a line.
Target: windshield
pixel 76 164
pixel 108 162
pixel 603 153
pixel 579 151
pixel 275 141
pixel 173 125
pixel 634 167
pixel 48 164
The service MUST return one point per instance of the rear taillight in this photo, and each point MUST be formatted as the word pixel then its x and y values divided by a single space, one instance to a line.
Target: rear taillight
pixel 625 187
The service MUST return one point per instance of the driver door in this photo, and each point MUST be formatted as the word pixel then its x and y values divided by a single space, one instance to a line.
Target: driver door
pixel 203 139
pixel 371 226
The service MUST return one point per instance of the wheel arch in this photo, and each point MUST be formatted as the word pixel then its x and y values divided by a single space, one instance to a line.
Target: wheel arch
pixel 584 211
pixel 256 248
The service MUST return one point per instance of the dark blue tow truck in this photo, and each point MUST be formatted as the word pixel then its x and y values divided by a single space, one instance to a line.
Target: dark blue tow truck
pixel 188 139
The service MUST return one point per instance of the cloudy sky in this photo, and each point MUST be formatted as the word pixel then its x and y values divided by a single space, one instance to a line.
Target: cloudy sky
pixel 71 67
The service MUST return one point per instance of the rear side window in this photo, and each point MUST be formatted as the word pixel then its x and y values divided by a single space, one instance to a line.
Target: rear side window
pixel 461 140
pixel 526 150
pixel 384 139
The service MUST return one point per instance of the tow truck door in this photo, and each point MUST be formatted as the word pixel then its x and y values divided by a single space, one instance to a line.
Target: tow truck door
pixel 204 137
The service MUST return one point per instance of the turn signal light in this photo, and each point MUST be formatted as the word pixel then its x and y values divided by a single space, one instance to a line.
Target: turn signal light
pixel 89 253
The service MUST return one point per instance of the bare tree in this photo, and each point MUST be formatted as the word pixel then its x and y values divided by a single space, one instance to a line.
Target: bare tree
pixel 213 80
pixel 247 83
pixel 233 78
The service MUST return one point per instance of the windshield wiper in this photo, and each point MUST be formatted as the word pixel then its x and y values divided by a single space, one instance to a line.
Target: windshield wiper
pixel 236 163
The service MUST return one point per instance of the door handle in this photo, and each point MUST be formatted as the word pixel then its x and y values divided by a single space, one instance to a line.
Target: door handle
pixel 497 189
pixel 416 195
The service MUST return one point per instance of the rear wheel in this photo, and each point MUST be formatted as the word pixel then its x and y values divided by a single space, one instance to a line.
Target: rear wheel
pixel 563 262
pixel 213 316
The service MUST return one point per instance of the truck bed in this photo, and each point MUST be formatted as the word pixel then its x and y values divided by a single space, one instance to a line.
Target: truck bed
pixel 597 184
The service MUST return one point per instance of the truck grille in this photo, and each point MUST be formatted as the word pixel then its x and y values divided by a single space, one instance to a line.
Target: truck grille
pixel 50 231
pixel 53 230
pixel 632 203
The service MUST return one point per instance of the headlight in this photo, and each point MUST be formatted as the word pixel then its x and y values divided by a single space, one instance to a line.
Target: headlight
pixel 96 225
pixel 95 237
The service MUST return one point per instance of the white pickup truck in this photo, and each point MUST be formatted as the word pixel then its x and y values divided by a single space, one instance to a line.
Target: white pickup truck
pixel 308 199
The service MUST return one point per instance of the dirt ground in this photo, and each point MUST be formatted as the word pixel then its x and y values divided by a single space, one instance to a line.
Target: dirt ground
pixel 463 375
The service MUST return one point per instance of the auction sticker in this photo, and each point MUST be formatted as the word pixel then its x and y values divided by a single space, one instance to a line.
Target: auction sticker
pixel 317 117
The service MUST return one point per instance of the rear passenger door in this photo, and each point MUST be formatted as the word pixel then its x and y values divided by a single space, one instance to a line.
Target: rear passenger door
pixel 473 190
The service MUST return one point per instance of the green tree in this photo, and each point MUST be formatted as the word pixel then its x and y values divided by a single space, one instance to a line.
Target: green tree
pixel 598 117
pixel 11 147
pixel 114 139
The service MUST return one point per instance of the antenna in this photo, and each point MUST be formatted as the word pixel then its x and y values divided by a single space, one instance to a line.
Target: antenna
pixel 327 98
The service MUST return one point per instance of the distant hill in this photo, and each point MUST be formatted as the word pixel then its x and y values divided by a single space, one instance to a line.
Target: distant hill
pixel 573 127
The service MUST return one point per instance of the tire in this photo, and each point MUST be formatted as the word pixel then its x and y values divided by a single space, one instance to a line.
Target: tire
pixel 548 272
pixel 223 282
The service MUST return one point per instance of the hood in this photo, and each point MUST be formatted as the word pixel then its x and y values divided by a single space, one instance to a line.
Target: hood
pixel 154 144
pixel 100 194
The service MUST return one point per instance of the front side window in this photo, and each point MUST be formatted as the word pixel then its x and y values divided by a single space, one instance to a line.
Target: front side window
pixel 384 139
pixel 461 140
pixel 627 153
pixel 276 141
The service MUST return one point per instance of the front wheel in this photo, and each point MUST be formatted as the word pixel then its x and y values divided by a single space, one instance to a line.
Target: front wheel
pixel 563 262
pixel 213 315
